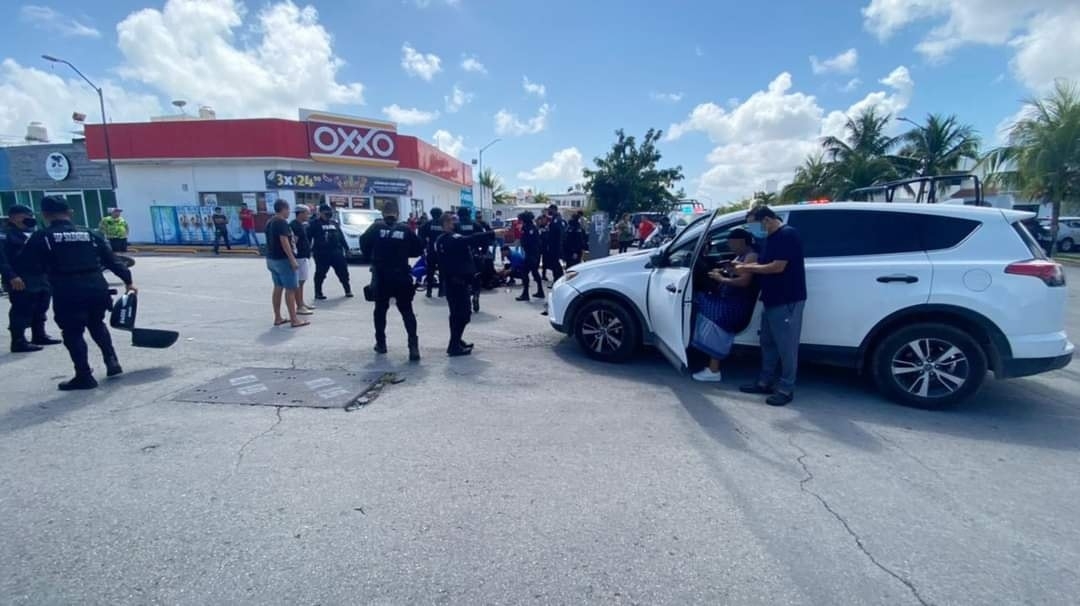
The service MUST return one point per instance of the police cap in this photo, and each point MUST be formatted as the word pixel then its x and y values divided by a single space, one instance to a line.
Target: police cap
pixel 326 208
pixel 54 205
pixel 19 209
pixel 436 212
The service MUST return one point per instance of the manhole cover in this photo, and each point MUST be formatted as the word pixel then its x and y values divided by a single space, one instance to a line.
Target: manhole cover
pixel 284 387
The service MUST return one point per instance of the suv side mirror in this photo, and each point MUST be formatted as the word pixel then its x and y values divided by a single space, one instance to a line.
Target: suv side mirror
pixel 657 259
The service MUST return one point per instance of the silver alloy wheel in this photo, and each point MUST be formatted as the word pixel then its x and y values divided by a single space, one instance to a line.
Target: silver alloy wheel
pixel 930 368
pixel 604 331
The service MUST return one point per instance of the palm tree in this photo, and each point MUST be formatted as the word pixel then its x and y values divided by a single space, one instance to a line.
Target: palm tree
pixel 814 180
pixel 541 198
pixel 490 181
pixel 862 158
pixel 938 147
pixel 859 171
pixel 1042 155
pixel 864 135
pixel 764 198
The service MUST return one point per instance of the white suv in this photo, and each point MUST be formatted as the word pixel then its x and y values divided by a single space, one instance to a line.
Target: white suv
pixel 924 297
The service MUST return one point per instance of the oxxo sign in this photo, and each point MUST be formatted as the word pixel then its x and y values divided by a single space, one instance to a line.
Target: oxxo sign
pixel 352 140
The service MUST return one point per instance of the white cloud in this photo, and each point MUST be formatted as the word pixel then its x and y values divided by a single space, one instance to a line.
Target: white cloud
pixel 471 64
pixel 852 85
pixel 409 116
pixel 450 144
pixel 1049 50
pixel 769 114
pixel 700 52
pixel 189 50
pixel 533 88
pixel 1041 32
pixel 419 64
pixel 666 97
pixel 457 99
pixel 844 63
pixel 29 94
pixel 508 124
pixel 565 165
pixel 895 102
pixel 51 20
pixel 768 135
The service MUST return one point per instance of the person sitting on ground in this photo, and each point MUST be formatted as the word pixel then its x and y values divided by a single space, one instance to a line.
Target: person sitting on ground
pixel 725 304
pixel 514 265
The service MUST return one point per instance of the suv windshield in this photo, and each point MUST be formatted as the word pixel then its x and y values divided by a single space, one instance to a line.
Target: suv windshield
pixel 359 218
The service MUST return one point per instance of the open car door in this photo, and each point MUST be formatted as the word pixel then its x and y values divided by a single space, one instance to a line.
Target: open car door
pixel 671 285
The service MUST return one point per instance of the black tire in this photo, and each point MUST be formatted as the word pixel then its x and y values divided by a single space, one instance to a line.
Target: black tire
pixel 919 365
pixel 622 337
pixel 1066 245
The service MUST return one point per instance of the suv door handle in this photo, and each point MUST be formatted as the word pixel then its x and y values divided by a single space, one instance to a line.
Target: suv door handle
pixel 672 288
pixel 898 278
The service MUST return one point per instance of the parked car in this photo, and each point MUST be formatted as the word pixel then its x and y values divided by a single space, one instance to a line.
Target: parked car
pixel 923 298
pixel 354 222
pixel 1068 232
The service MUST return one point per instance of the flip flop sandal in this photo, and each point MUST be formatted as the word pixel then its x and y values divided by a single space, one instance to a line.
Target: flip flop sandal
pixel 281 322
pixel 301 324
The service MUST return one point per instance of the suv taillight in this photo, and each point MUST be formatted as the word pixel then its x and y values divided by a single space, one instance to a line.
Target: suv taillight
pixel 1049 272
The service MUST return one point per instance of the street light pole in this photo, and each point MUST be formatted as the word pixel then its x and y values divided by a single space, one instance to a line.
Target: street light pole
pixel 104 122
pixel 480 170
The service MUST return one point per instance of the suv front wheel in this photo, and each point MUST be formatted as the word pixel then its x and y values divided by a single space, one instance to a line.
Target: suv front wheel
pixel 606 330
pixel 929 365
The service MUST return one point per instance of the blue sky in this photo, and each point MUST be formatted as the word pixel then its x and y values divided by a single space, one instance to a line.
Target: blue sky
pixel 732 83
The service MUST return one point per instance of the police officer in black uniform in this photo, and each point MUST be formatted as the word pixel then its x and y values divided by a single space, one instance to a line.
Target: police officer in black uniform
pixel 532 247
pixel 429 232
pixel 73 257
pixel 467 227
pixel 554 242
pixel 27 284
pixel 457 270
pixel 329 247
pixel 576 240
pixel 389 245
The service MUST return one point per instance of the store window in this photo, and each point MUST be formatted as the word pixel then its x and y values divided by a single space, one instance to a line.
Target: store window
pixel 254 200
pixel 311 199
pixel 380 201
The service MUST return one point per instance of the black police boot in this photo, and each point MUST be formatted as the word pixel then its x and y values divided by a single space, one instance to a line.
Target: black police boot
pixel 524 297
pixel 380 347
pixel 112 367
pixel 78 382
pixel 456 350
pixel 40 337
pixel 319 295
pixel 539 294
pixel 21 345
pixel 348 292
pixel 414 349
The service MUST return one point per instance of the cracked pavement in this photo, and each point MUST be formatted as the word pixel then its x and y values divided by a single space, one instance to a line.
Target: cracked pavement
pixel 523 473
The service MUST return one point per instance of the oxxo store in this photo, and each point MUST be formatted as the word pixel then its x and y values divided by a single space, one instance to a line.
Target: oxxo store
pixel 170 175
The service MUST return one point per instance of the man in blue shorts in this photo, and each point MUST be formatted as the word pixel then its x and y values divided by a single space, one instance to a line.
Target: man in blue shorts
pixel 282 263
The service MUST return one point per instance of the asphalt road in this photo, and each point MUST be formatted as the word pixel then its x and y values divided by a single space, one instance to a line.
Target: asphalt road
pixel 523 474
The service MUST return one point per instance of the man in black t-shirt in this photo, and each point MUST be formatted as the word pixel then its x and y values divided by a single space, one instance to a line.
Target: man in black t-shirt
pixel 282 263
pixel 303 256
pixel 782 272
pixel 221 229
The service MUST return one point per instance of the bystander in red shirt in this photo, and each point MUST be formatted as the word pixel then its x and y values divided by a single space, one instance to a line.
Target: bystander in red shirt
pixel 645 229
pixel 247 219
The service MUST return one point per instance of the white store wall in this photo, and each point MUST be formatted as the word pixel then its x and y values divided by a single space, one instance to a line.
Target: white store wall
pixel 177 183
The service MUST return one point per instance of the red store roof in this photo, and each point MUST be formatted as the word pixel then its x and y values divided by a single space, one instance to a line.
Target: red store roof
pixel 251 139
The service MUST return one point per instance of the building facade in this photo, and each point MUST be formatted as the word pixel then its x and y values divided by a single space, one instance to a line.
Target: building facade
pixel 30 172
pixel 171 174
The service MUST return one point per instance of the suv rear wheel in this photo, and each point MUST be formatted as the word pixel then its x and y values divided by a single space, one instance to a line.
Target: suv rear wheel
pixel 607 331
pixel 1066 245
pixel 929 365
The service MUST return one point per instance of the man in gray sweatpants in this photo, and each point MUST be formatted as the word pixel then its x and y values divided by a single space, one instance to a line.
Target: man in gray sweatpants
pixel 782 272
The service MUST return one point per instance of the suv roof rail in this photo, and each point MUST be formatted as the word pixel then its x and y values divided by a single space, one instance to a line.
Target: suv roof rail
pixel 925 190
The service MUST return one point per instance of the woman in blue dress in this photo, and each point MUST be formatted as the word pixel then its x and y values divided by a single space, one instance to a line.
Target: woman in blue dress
pixel 725 306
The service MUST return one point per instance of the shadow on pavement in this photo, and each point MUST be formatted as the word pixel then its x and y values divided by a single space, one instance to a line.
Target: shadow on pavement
pixel 30 415
pixel 832 402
